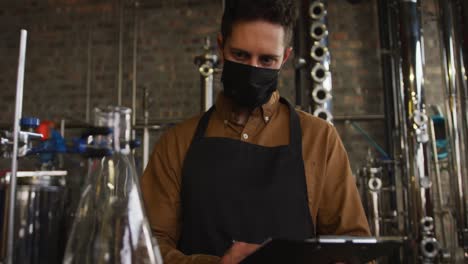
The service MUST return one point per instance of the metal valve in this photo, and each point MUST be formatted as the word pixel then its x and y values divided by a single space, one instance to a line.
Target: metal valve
pixel 317 10
pixel 323 114
pixel 427 224
pixel 375 184
pixel 321 95
pixel 318 30
pixel 420 118
pixel 206 70
pixel 319 73
pixel 319 52
pixel 429 247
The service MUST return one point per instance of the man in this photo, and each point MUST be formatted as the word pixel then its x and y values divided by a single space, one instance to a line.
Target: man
pixel 252 167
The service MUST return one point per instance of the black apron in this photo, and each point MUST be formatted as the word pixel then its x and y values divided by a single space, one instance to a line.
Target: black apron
pixel 233 190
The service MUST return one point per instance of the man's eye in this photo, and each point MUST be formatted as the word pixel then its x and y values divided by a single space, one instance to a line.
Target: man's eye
pixel 267 61
pixel 240 55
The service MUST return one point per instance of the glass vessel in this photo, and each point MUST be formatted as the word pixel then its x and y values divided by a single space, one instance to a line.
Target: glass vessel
pixel 110 225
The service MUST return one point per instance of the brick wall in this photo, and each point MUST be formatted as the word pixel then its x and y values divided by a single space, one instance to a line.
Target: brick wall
pixel 356 69
pixel 170 35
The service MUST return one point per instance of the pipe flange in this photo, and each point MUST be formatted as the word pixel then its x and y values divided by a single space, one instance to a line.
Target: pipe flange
pixel 317 10
pixel 319 52
pixel 319 73
pixel 425 182
pixel 323 114
pixel 422 136
pixel 429 247
pixel 206 70
pixel 427 224
pixel 420 118
pixel 318 30
pixel 375 184
pixel 321 95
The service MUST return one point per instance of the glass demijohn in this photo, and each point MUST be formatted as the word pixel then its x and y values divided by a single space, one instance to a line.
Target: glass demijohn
pixel 110 225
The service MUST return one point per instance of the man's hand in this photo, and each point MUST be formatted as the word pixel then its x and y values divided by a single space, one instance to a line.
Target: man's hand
pixel 238 252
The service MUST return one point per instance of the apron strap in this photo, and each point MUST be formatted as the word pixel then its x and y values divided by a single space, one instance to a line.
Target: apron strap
pixel 203 124
pixel 295 131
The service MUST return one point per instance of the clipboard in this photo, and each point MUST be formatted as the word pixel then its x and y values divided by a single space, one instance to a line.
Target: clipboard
pixel 325 250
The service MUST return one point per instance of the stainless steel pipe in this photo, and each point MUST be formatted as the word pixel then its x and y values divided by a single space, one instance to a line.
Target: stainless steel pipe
pixel 120 53
pixel 134 62
pixel 89 66
pixel 207 63
pixel 8 225
pixel 437 176
pixel 320 92
pixel 415 130
pixel 456 129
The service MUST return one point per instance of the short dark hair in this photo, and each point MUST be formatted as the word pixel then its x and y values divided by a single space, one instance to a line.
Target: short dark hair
pixel 280 12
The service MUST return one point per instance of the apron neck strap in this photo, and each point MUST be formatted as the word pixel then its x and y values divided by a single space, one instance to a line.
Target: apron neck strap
pixel 295 131
pixel 203 124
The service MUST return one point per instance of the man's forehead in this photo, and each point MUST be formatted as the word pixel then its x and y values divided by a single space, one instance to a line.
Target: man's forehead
pixel 256 35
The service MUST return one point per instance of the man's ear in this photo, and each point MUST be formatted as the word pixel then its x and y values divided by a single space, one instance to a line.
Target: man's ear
pixel 220 47
pixel 287 54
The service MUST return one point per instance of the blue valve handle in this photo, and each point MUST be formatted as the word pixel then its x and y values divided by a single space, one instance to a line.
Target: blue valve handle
pixel 29 123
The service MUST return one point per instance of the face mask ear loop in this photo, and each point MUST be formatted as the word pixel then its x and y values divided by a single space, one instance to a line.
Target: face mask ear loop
pixel 281 68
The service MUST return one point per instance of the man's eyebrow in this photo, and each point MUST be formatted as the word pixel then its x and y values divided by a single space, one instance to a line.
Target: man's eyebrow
pixel 239 50
pixel 261 55
pixel 271 56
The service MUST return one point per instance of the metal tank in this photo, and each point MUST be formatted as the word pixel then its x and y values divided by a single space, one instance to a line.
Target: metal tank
pixel 39 223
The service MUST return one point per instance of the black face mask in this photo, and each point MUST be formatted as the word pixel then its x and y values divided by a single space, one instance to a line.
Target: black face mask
pixel 247 85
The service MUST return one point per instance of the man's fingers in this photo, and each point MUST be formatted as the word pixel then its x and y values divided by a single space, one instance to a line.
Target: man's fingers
pixel 238 251
pixel 246 248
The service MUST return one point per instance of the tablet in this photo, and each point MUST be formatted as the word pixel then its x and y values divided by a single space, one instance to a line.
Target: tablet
pixel 325 250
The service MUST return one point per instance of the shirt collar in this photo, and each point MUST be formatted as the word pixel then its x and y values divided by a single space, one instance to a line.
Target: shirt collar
pixel 226 107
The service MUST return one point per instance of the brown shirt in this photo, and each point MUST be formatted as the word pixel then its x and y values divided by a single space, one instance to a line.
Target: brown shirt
pixel 334 202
